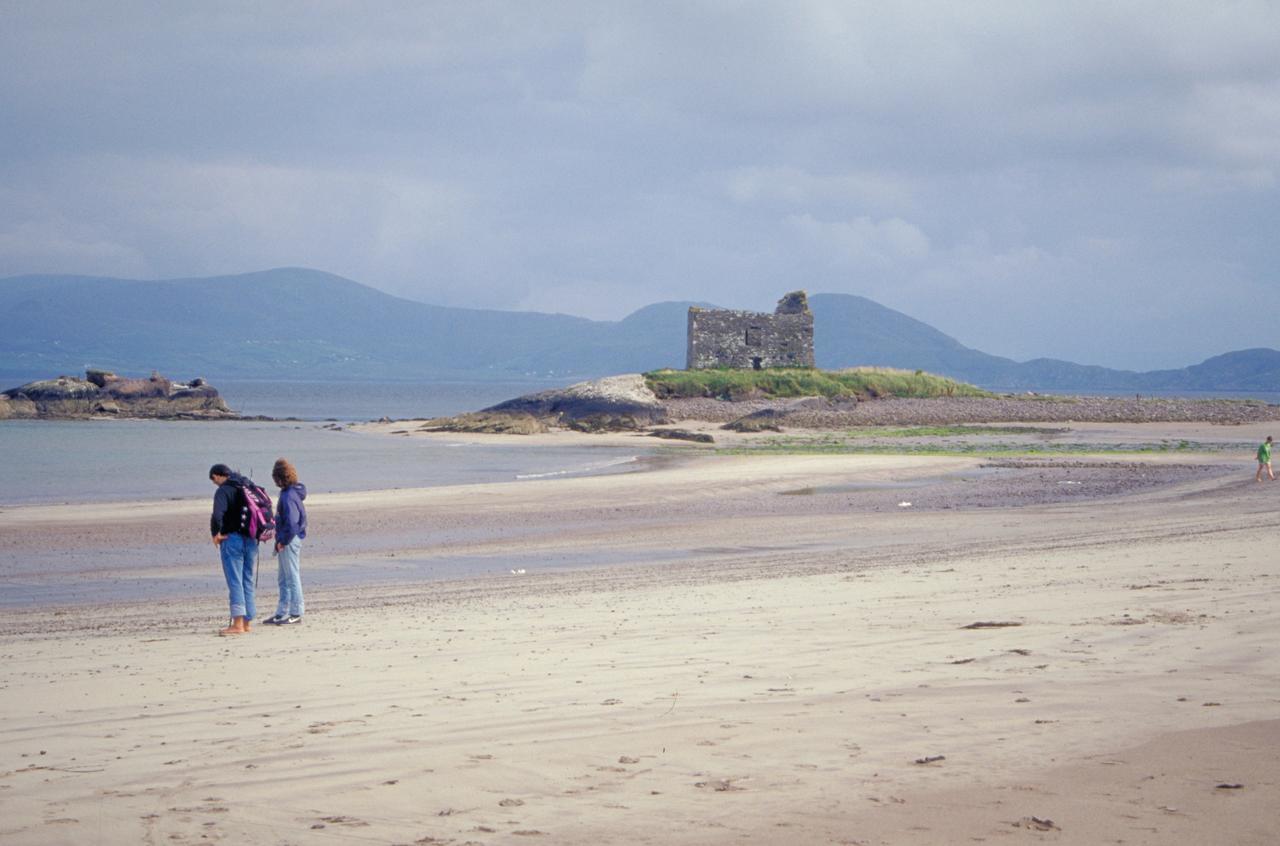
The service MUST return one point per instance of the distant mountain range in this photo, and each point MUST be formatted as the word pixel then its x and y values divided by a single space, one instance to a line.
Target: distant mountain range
pixel 296 324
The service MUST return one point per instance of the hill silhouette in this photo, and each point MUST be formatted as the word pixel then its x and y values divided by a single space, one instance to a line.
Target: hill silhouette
pixel 296 323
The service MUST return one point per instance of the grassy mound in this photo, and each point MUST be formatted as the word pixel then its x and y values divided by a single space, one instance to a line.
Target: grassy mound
pixel 783 382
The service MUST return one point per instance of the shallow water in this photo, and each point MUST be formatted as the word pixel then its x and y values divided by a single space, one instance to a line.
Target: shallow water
pixel 53 461
pixel 361 401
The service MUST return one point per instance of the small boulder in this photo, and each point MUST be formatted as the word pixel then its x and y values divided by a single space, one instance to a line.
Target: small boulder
pixel 765 420
pixel 683 435
pixel 100 377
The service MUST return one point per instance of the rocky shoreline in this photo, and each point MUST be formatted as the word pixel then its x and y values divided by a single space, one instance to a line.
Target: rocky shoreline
pixel 818 413
pixel 104 394
pixel 625 403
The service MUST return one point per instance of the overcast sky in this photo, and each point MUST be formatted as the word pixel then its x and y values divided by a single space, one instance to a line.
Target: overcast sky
pixel 1089 181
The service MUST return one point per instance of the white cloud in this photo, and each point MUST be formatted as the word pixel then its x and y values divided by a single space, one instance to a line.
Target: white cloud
pixel 1239 121
pixel 796 186
pixel 53 246
pixel 595 299
pixel 172 216
pixel 862 240
pixel 509 154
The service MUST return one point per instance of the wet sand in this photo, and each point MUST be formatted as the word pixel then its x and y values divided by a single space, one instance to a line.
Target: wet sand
pixel 747 661
pixel 680 509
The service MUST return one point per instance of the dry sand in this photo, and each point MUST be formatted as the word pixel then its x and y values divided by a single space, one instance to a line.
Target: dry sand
pixel 770 669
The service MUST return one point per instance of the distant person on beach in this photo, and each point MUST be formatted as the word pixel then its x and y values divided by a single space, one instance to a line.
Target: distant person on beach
pixel 1264 461
pixel 238 549
pixel 291 528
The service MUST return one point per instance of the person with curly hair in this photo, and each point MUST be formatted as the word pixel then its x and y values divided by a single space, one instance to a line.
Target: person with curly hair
pixel 291 528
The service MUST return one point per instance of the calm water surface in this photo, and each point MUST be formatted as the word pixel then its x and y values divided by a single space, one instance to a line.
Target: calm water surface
pixel 98 460
pixel 359 401
pixel 45 461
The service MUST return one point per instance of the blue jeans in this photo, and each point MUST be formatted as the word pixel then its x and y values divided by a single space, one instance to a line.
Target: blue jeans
pixel 290 580
pixel 239 556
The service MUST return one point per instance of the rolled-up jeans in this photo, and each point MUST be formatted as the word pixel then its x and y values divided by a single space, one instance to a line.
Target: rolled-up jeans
pixel 239 556
pixel 289 577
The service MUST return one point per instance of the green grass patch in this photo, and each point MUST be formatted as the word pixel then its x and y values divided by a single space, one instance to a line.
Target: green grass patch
pixel 786 382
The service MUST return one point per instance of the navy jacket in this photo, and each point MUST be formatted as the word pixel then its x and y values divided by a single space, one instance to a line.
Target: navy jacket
pixel 230 517
pixel 291 514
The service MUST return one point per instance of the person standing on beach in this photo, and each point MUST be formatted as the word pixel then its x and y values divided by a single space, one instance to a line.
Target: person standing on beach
pixel 291 528
pixel 229 525
pixel 1264 461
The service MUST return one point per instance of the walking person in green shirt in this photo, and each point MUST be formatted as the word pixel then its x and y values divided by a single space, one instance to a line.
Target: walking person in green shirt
pixel 1264 461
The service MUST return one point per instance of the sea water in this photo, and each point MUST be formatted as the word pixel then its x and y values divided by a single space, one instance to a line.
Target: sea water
pixel 102 460
pixel 352 401
pixel 86 461
pixel 54 461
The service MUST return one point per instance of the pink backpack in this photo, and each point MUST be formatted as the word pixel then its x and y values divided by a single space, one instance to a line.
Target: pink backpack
pixel 257 504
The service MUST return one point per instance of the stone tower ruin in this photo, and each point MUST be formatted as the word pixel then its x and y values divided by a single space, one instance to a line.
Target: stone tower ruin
pixel 748 340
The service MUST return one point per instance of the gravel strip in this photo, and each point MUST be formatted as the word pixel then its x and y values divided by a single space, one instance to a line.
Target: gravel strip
pixel 953 410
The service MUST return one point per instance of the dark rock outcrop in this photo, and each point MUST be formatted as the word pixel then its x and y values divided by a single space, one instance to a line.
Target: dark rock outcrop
pixel 683 435
pixel 104 394
pixel 616 403
pixel 489 424
pixel 764 420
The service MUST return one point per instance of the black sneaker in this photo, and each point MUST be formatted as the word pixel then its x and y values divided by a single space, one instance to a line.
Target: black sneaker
pixel 290 620
pixel 274 621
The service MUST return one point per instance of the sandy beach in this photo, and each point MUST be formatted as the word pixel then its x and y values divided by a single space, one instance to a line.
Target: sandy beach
pixel 721 648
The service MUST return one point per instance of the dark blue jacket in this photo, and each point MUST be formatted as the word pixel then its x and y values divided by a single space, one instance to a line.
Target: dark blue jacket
pixel 291 514
pixel 229 516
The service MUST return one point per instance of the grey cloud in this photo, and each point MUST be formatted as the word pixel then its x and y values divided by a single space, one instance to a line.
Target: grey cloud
pixel 1091 181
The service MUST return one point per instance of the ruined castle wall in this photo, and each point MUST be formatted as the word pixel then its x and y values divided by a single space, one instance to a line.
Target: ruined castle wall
pixel 749 340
